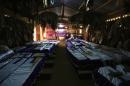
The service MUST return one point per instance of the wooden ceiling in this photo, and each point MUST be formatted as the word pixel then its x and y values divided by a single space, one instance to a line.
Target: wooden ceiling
pixel 71 7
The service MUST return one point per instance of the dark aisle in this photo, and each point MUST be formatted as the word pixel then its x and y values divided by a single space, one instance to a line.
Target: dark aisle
pixel 63 74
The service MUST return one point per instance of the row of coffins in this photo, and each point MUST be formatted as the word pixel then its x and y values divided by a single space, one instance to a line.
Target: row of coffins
pixel 81 54
pixel 84 60
pixel 47 46
pixel 90 56
pixel 44 41
pixel 20 68
pixel 107 55
pixel 5 54
pixel 112 76
pixel 118 55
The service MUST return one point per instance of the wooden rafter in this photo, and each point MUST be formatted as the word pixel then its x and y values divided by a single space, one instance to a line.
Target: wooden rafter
pixel 101 6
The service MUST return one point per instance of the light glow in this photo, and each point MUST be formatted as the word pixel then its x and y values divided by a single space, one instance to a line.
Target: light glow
pixel 87 28
pixel 44 34
pixel 34 34
pixel 80 31
pixel 41 34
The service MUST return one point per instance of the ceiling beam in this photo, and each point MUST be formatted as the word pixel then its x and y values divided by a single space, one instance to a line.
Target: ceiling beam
pixel 82 4
pixel 116 13
pixel 101 6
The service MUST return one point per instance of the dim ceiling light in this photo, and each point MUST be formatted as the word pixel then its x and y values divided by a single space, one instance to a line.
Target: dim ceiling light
pixel 81 26
pixel 6 15
pixel 118 17
pixel 126 15
pixel 61 25
pixel 66 27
